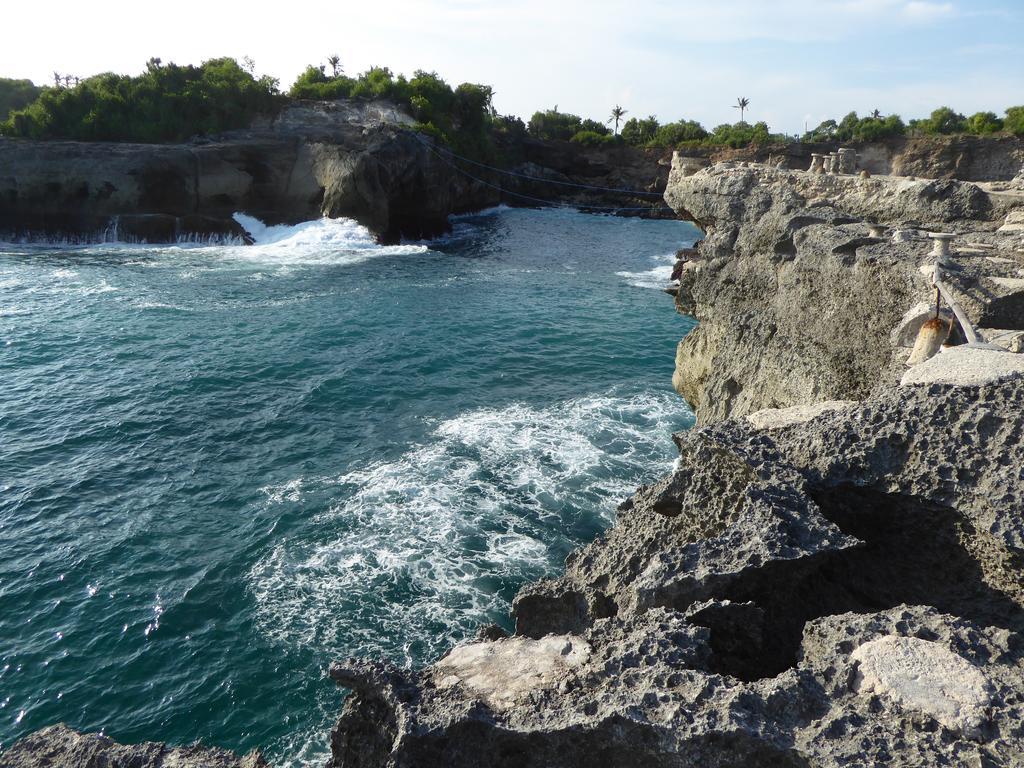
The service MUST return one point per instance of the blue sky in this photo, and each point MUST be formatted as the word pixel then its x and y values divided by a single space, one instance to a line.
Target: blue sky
pixel 796 60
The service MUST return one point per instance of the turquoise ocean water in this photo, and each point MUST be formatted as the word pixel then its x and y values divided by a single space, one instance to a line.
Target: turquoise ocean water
pixel 223 467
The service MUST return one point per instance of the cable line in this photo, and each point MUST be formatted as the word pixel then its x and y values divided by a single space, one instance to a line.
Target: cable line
pixel 538 200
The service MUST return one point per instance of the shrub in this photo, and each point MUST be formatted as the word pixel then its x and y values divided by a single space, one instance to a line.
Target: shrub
pixel 595 139
pixel 1014 122
pixel 674 134
pixel 552 124
pixel 740 134
pixel 638 132
pixel 315 83
pixel 16 94
pixel 944 121
pixel 981 123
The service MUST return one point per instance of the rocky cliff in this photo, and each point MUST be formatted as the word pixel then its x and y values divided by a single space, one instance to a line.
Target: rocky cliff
pixel 315 159
pixel 354 159
pixel 803 279
pixel 967 158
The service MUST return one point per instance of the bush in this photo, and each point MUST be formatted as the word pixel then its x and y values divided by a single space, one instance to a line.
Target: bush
pixel 677 133
pixel 740 135
pixel 982 123
pixel 944 121
pixel 854 128
pixel 638 132
pixel 16 94
pixel 1014 122
pixel 315 83
pixel 595 138
pixel 165 103
pixel 554 125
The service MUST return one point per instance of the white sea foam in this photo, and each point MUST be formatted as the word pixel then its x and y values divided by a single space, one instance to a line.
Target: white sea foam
pixel 322 241
pixel 657 277
pixel 484 212
pixel 409 555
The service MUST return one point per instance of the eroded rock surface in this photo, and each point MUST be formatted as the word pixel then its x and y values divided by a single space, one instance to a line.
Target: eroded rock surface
pixel 764 605
pixel 60 747
pixel 798 302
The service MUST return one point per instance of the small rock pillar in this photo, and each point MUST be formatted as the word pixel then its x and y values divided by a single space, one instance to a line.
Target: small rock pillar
pixel 847 160
pixel 941 247
pixel 817 163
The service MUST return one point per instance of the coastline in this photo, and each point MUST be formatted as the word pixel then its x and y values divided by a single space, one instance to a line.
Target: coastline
pixel 755 606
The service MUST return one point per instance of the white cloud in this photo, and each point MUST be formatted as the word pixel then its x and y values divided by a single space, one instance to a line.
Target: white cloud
pixel 673 58
pixel 918 10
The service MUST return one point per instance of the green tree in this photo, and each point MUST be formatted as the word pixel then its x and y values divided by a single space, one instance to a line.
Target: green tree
pixel 164 103
pixel 945 121
pixel 16 94
pixel 982 123
pixel 553 125
pixel 677 133
pixel 334 60
pixel 638 132
pixel 1014 122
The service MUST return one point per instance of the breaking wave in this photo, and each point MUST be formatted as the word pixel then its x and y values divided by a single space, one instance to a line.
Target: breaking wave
pixel 657 277
pixel 319 241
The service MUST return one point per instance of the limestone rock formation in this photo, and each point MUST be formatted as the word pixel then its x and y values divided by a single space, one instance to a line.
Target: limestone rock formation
pixel 314 159
pixel 798 301
pixel 843 590
pixel 60 747
pixel 355 159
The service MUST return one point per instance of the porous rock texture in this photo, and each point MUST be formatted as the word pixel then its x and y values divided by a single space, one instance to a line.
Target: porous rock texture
pixel 758 607
pixel 798 302
pixel 60 747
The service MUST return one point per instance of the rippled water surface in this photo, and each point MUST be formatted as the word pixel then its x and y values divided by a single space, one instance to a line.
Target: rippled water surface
pixel 223 467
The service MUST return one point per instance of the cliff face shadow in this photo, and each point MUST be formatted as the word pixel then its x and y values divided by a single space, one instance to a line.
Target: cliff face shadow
pixel 914 552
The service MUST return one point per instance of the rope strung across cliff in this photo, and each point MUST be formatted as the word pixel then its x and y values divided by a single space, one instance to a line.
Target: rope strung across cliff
pixel 540 201
pixel 495 169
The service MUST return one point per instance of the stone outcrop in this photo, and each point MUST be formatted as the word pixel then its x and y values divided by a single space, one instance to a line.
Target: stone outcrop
pixel 967 158
pixel 798 302
pixel 60 747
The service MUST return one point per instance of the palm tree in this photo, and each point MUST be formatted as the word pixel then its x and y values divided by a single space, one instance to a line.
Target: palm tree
pixel 58 78
pixel 876 115
pixel 617 114
pixel 741 104
pixel 335 61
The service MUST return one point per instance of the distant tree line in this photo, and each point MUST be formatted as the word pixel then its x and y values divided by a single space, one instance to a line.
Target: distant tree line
pixel 942 121
pixel 164 103
pixel 168 102
pixel 646 132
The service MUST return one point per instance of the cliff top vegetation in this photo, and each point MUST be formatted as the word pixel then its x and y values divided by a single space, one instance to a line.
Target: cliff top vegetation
pixel 169 102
